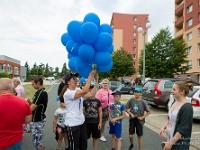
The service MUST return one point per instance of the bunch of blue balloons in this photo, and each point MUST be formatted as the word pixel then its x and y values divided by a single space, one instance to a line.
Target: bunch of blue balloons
pixel 88 43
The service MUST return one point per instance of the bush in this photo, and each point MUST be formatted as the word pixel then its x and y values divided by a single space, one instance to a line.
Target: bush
pixel 4 75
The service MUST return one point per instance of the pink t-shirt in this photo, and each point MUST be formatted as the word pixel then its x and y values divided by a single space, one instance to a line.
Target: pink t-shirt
pixel 20 91
pixel 103 95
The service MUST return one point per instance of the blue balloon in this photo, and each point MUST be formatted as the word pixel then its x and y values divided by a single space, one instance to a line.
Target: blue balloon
pixel 85 71
pixel 89 32
pixel 105 68
pixel 73 29
pixel 65 38
pixel 82 80
pixel 110 49
pixel 75 64
pixel 103 41
pixel 105 28
pixel 92 17
pixel 86 52
pixel 102 58
pixel 70 55
pixel 72 47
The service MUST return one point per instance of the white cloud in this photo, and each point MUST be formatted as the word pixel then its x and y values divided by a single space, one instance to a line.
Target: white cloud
pixel 31 30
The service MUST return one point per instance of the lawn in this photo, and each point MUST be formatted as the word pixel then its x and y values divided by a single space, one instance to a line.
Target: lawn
pixel 30 91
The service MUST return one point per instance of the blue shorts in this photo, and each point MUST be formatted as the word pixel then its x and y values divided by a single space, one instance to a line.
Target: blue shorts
pixel 16 146
pixel 116 129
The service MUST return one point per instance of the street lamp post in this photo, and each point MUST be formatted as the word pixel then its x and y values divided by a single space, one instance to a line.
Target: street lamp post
pixel 144 32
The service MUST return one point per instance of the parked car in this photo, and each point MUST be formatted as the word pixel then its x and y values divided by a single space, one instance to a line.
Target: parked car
pixel 193 98
pixel 123 88
pixel 50 78
pixel 157 91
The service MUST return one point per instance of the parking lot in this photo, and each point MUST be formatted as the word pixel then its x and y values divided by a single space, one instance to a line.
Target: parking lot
pixel 158 117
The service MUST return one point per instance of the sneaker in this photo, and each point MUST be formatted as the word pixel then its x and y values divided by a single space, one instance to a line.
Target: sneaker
pixel 102 138
pixel 130 147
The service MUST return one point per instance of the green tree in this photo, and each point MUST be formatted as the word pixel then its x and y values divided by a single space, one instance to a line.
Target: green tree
pixel 64 70
pixel 28 71
pixel 122 65
pixel 164 56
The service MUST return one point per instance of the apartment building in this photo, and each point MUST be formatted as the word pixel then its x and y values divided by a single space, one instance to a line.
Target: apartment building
pixel 10 65
pixel 125 34
pixel 187 27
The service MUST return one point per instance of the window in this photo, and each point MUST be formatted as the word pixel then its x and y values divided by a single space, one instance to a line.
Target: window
pixel 189 36
pixel 134 26
pixel 16 71
pixel 9 69
pixel 189 50
pixel 134 48
pixel 198 47
pixel 134 33
pixel 198 62
pixel 189 22
pixel 199 16
pixel 134 41
pixel 134 18
pixel 198 31
pixel 199 2
pixel 189 63
pixel 168 84
pixel 189 9
pixel 133 63
pixel 134 56
pixel 2 67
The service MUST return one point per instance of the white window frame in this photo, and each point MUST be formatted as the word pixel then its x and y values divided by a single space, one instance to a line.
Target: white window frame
pixel 198 30
pixel 134 56
pixel 198 46
pixel 189 36
pixel 189 63
pixel 189 22
pixel 198 61
pixel 134 33
pixel 134 26
pixel 2 67
pixel 189 50
pixel 134 41
pixel 16 71
pixel 134 18
pixel 134 49
pixel 134 63
pixel 189 9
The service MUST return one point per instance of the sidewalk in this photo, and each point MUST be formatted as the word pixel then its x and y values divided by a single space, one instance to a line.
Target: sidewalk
pixel 45 82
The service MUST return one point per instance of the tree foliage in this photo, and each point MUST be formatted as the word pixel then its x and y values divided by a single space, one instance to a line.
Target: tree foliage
pixel 164 56
pixel 122 65
pixel 64 71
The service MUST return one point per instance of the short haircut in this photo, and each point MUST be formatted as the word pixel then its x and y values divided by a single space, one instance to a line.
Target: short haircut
pixel 6 85
pixel 17 80
pixel 37 79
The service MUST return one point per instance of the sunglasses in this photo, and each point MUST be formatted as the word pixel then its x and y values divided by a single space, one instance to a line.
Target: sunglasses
pixel 105 83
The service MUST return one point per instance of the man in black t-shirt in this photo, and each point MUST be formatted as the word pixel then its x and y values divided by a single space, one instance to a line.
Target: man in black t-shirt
pixel 93 118
pixel 38 108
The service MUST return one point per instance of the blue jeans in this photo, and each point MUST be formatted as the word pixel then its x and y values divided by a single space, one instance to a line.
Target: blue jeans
pixel 17 146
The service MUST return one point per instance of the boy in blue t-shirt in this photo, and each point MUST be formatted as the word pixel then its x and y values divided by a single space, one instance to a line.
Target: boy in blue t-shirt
pixel 117 113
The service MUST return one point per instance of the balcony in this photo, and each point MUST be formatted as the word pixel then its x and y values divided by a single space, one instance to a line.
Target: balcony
pixel 179 34
pixel 178 1
pixel 179 10
pixel 179 22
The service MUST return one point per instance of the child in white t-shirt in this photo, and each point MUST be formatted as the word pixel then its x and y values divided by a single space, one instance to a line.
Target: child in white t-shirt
pixel 59 126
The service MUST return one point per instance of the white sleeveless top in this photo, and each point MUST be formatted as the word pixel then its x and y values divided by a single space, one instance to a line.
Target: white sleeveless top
pixel 171 124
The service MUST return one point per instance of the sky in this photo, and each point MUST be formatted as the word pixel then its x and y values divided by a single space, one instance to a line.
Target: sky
pixel 30 30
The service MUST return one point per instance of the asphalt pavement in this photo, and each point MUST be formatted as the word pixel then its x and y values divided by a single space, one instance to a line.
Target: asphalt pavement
pixel 151 140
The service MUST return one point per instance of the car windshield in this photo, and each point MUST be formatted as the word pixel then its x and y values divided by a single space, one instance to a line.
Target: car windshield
pixel 191 93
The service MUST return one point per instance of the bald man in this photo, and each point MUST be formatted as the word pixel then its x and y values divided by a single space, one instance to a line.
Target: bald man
pixel 18 88
pixel 14 111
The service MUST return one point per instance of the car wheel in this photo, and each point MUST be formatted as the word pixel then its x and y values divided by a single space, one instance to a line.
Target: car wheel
pixel 130 92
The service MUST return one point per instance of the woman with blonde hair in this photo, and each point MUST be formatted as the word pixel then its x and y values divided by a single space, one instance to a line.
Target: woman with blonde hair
pixel 106 98
pixel 179 123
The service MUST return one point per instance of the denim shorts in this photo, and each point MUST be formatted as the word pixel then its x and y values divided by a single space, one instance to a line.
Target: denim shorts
pixel 17 146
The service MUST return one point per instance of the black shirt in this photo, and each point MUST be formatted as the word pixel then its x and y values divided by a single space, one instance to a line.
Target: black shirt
pixel 40 99
pixel 91 110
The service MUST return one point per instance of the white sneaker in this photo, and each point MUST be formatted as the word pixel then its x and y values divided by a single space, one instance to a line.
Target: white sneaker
pixel 102 138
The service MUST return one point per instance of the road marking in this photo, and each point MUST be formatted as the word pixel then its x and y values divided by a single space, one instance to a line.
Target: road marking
pixel 195 132
pixel 50 87
pixel 153 115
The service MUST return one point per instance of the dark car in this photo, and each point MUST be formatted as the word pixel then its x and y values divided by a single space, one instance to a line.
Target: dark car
pixel 125 89
pixel 157 91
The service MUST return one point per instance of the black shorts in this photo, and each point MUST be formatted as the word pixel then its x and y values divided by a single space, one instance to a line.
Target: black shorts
pixel 92 128
pixel 77 137
pixel 134 124
pixel 59 129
